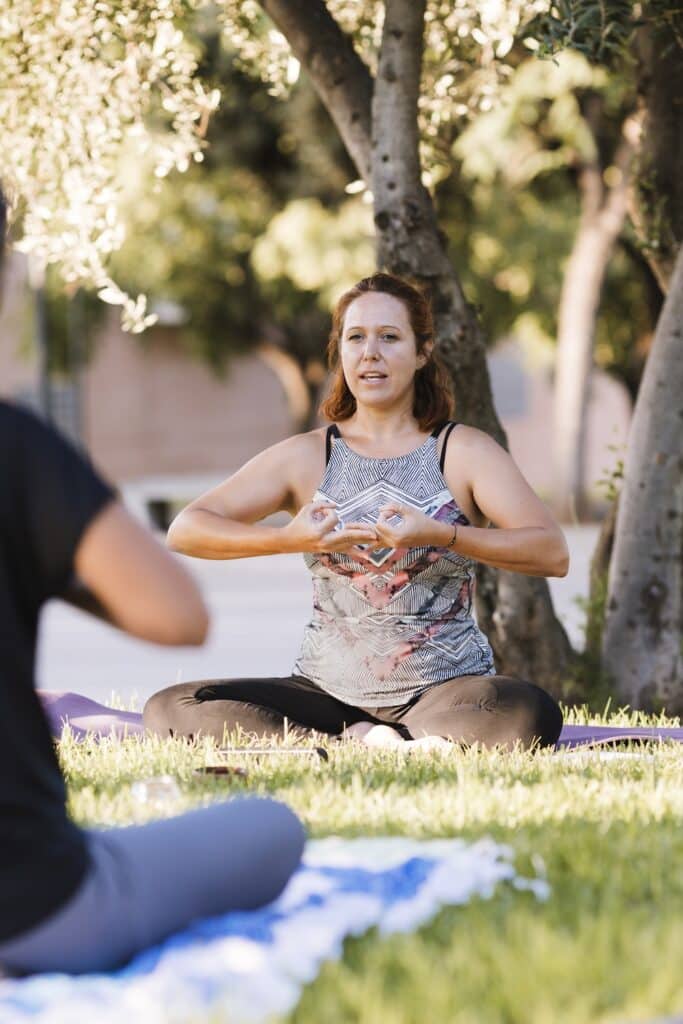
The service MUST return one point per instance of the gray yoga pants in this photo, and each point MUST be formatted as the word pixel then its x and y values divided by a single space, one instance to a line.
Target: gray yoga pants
pixel 148 881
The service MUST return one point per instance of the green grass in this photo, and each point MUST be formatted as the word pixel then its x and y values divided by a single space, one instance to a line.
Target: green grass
pixel 606 946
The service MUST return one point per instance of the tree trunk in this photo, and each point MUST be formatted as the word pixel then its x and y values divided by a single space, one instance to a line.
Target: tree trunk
pixel 642 650
pixel 341 79
pixel 602 217
pixel 656 206
pixel 515 611
pixel 599 572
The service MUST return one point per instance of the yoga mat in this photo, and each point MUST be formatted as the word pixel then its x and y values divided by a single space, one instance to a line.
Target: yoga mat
pixel 573 736
pixel 246 967
pixel 84 715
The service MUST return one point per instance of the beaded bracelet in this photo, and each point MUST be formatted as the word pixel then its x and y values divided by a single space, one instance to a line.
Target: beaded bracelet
pixel 454 537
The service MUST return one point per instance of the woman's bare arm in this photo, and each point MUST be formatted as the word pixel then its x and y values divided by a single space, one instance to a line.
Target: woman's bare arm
pixel 527 540
pixel 223 523
pixel 140 587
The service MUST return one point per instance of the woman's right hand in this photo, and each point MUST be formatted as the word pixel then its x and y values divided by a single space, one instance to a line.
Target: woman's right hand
pixel 314 528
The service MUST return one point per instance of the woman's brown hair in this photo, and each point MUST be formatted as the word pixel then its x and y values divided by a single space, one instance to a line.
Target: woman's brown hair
pixel 433 402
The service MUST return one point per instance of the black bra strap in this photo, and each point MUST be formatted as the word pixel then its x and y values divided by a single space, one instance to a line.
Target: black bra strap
pixel 332 431
pixel 442 460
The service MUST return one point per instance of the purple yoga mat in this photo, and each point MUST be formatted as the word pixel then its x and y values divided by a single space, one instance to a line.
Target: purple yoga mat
pixel 85 715
pixel 603 735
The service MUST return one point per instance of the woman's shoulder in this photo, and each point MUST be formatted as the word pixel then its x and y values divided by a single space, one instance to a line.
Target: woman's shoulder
pixel 307 444
pixel 304 455
pixel 305 450
pixel 304 445
pixel 468 456
pixel 469 439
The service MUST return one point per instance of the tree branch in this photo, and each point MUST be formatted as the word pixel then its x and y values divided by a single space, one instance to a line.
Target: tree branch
pixel 657 197
pixel 615 206
pixel 589 171
pixel 339 76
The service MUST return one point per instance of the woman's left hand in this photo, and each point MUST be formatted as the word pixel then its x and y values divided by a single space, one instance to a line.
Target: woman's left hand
pixel 400 526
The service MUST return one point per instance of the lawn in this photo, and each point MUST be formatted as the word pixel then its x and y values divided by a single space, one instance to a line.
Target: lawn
pixel 606 945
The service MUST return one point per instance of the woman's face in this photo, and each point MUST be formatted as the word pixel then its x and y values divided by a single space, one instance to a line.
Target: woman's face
pixel 378 351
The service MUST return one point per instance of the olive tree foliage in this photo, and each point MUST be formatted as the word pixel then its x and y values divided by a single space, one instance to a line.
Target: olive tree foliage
pixel 88 85
pixel 647 39
pixel 464 66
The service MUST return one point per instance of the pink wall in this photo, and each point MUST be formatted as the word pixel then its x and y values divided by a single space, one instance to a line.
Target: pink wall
pixel 149 408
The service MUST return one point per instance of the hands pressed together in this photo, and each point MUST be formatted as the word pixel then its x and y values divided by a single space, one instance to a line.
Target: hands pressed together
pixel 316 527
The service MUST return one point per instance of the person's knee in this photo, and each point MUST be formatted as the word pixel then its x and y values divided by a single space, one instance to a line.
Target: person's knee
pixel 290 832
pixel 275 843
pixel 158 714
pixel 542 716
pixel 154 713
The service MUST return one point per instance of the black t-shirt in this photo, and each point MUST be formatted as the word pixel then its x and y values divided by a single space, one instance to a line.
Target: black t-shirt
pixel 48 496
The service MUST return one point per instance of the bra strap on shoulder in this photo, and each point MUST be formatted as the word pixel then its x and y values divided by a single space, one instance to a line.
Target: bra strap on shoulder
pixel 442 459
pixel 332 431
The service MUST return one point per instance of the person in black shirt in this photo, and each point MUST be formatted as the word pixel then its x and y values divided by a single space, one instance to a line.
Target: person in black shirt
pixel 75 900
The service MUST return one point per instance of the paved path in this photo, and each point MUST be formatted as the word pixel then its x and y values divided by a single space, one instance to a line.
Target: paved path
pixel 259 607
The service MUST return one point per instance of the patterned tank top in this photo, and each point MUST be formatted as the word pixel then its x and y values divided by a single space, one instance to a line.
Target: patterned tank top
pixel 389 624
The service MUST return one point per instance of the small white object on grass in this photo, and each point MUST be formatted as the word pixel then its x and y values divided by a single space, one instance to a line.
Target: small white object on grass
pixel 387 736
pixel 358 731
pixel 383 736
pixel 158 793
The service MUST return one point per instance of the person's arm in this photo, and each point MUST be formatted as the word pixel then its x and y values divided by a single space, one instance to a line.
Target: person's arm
pixel 527 540
pixel 224 522
pixel 139 587
pixel 74 536
pixel 78 596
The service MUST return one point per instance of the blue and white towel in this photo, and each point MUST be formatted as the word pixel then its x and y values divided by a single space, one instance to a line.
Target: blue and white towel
pixel 249 967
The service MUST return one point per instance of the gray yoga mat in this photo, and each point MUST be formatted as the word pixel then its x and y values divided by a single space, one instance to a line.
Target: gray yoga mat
pixel 84 716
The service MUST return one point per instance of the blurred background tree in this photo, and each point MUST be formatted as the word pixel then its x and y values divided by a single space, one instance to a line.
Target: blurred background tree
pixel 558 135
pixel 637 574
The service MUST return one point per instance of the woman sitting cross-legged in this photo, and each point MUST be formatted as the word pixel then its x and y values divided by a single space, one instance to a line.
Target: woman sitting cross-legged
pixel 390 508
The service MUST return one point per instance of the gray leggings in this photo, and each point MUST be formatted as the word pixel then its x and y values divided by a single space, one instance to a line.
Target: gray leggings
pixel 148 881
